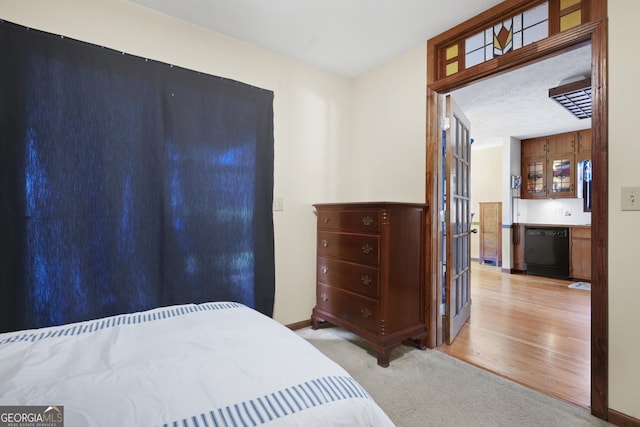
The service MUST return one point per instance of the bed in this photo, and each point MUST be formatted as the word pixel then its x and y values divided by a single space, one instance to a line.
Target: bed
pixel 212 364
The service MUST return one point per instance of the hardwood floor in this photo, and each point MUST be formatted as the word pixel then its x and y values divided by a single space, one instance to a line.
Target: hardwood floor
pixel 532 330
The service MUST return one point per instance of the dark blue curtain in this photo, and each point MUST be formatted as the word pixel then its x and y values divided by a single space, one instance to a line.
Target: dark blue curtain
pixel 127 184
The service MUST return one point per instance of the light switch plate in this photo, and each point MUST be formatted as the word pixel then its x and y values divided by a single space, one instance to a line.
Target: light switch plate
pixel 631 198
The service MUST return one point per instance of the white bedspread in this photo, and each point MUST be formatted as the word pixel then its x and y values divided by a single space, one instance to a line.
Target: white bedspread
pixel 214 364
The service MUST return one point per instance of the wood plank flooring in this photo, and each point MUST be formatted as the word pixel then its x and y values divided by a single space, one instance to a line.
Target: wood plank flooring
pixel 532 330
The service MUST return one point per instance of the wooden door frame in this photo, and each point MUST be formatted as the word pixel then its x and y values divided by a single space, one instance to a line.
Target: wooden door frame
pixel 594 31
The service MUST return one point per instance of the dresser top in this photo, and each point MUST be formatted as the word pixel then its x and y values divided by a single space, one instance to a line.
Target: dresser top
pixel 351 205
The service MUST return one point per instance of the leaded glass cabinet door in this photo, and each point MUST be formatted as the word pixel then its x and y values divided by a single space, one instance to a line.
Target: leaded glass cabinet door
pixel 458 226
pixel 535 177
pixel 561 176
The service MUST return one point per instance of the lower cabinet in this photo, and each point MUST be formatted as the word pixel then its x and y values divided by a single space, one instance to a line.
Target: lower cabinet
pixel 518 247
pixel 580 248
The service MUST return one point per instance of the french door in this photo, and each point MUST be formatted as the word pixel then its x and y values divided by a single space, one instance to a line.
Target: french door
pixel 457 220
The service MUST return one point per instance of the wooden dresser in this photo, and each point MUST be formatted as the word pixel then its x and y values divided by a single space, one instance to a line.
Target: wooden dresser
pixel 371 272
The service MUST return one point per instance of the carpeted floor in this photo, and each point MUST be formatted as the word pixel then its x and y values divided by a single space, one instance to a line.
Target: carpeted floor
pixel 430 388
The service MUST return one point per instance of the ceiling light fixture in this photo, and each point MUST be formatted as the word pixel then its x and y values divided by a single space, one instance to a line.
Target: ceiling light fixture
pixel 575 97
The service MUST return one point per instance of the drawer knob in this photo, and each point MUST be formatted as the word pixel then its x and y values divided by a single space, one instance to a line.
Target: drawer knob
pixel 365 279
pixel 324 242
pixel 324 269
pixel 324 297
pixel 367 220
pixel 325 219
pixel 367 249
pixel 365 312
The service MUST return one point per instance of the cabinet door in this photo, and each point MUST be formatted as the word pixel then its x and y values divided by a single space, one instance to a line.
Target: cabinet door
pixel 535 177
pixel 534 147
pixel 518 247
pixel 562 143
pixel 581 253
pixel 561 176
pixel 583 151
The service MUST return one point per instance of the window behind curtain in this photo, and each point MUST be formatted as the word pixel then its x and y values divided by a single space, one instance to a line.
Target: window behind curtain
pixel 127 184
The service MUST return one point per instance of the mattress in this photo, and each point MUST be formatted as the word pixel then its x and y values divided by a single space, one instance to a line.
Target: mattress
pixel 212 364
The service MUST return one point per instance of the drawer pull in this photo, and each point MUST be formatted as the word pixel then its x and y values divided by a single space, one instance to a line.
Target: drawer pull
pixel 325 219
pixel 367 220
pixel 367 249
pixel 365 312
pixel 324 242
pixel 324 297
pixel 324 269
pixel 366 280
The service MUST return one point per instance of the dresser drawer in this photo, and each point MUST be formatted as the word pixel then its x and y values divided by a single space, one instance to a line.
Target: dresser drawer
pixel 354 247
pixel 353 308
pixel 367 221
pixel 346 275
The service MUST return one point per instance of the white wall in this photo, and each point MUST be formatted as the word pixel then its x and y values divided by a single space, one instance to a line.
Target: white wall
pixel 311 114
pixel 624 227
pixel 389 132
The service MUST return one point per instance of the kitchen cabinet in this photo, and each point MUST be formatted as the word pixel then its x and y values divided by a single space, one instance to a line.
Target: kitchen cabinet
pixel 561 176
pixel 580 256
pixel 534 147
pixel 583 148
pixel 534 170
pixel 562 143
pixel 549 166
pixel 518 247
pixel 491 233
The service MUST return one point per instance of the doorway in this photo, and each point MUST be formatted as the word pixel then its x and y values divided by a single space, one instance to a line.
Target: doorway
pixel 595 31
pixel 517 104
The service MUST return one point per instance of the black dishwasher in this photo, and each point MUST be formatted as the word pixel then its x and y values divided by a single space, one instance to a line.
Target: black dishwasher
pixel 546 251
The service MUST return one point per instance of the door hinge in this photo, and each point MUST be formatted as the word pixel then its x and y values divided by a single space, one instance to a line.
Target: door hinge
pixel 444 215
pixel 444 309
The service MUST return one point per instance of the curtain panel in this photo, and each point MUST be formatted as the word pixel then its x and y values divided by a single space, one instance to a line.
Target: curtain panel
pixel 127 184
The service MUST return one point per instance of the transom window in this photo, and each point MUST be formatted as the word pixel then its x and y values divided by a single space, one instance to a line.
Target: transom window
pixel 528 25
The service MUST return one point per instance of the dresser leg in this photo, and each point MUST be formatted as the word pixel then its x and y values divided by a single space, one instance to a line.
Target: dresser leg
pixel 383 358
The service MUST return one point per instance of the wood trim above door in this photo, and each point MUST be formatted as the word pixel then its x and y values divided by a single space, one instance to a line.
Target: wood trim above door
pixel 594 31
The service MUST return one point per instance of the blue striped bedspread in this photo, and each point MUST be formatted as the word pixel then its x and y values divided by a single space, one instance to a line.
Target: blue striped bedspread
pixel 212 364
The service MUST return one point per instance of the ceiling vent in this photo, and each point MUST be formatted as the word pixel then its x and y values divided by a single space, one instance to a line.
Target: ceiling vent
pixel 575 97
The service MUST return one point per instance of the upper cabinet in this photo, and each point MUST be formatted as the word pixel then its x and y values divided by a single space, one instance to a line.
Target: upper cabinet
pixel 583 150
pixel 534 168
pixel 549 164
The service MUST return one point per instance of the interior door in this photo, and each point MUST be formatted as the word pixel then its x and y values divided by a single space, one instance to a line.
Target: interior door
pixel 458 220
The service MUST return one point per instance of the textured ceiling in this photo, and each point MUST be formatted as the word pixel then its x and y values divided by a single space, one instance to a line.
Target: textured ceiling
pixel 352 37
pixel 517 103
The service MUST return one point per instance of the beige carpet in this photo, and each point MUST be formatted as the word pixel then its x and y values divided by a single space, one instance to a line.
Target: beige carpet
pixel 429 388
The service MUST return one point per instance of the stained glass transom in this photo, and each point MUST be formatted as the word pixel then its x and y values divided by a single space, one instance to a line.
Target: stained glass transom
pixel 506 36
